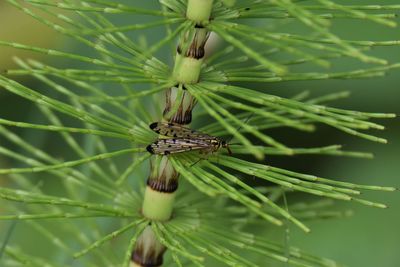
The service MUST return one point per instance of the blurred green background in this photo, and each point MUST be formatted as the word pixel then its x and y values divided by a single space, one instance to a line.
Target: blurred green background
pixel 371 237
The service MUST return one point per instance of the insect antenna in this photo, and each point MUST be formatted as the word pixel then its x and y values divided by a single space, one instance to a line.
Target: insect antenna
pixel 234 144
pixel 226 143
pixel 240 127
pixel 197 161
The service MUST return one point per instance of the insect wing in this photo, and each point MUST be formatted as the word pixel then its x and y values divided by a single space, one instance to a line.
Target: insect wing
pixel 173 146
pixel 177 131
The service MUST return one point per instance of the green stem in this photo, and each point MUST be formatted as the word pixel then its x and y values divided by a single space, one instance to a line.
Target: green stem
pixel 187 69
pixel 199 11
pixel 162 183
pixel 157 205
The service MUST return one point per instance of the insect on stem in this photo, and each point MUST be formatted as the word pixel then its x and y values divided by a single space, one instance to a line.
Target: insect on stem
pixel 181 139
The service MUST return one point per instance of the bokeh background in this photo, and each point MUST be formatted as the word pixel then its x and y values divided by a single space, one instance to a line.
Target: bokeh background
pixel 371 237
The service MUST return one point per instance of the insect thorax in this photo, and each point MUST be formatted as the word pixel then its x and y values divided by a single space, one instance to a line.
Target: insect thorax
pixel 216 143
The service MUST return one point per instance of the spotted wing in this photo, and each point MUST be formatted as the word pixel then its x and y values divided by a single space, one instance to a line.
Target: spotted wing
pixel 177 131
pixel 178 145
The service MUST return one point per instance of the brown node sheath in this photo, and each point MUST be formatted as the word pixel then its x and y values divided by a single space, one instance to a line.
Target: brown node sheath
pixel 148 252
pixel 163 178
pixel 163 185
pixel 150 259
pixel 184 113
pixel 196 48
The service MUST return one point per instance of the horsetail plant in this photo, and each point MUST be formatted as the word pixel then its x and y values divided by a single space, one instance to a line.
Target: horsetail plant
pixel 120 93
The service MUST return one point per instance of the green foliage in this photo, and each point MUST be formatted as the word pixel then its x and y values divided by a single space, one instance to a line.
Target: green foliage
pixel 112 92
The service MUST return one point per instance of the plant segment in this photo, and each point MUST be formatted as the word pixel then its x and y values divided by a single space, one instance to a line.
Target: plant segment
pixel 110 95
pixel 179 103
